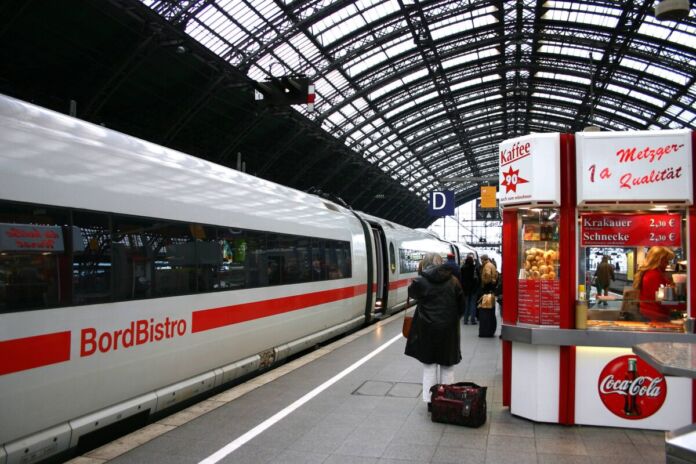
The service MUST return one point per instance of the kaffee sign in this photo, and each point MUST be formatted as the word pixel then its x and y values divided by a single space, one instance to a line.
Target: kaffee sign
pixel 529 170
pixel 650 166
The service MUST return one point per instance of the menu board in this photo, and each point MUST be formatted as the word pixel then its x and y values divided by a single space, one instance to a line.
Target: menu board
pixel 629 230
pixel 529 295
pixel 550 302
pixel 539 302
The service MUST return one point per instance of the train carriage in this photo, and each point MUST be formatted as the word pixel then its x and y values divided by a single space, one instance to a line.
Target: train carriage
pixel 133 277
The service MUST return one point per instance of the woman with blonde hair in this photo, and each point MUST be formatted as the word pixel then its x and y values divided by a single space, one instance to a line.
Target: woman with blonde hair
pixel 649 278
pixel 434 336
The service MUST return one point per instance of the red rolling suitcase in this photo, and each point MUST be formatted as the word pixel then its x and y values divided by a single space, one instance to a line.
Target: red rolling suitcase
pixel 462 403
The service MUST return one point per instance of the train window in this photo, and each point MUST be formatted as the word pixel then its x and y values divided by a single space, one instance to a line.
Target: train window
pixel 392 258
pixel 287 259
pixel 152 258
pixel 409 259
pixel 91 263
pixel 51 257
pixel 209 257
pixel 337 259
pixel 318 265
pixel 34 243
pixel 242 251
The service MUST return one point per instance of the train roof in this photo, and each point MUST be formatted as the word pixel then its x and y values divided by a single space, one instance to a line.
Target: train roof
pixel 52 158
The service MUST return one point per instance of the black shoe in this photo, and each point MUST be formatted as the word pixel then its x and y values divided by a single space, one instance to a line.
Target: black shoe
pixel 474 322
pixel 430 407
pixel 466 323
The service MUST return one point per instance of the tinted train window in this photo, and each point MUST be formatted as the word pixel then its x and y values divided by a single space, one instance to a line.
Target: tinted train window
pixel 409 259
pixel 152 258
pixel 54 257
pixel 209 257
pixel 34 245
pixel 392 258
pixel 91 263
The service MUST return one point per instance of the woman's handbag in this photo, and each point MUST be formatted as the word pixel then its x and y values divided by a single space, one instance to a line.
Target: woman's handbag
pixel 408 320
pixel 487 301
pixel 462 403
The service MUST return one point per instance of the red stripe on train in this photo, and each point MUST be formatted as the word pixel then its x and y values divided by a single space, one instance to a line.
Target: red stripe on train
pixel 399 284
pixel 208 319
pixel 21 354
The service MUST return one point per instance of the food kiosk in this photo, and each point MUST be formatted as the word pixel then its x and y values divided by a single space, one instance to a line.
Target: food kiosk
pixel 571 202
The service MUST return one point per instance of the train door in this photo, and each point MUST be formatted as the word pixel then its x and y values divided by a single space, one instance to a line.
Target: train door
pixel 381 267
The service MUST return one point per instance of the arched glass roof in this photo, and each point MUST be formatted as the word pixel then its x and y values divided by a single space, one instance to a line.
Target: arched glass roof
pixel 426 89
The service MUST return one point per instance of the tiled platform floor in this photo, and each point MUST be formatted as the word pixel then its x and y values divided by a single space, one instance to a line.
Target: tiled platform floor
pixel 373 415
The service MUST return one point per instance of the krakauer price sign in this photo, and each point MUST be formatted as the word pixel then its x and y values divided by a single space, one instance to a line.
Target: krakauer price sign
pixel 650 166
pixel 628 230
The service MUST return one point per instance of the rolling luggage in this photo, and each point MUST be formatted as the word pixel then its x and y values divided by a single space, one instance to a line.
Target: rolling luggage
pixel 462 403
pixel 487 322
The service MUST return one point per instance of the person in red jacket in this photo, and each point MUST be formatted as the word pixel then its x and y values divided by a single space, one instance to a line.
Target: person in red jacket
pixel 649 278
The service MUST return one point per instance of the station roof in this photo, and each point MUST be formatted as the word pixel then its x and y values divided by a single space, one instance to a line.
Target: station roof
pixel 410 94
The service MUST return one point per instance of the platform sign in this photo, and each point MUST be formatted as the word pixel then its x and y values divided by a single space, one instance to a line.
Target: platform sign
pixel 486 214
pixel 441 203
pixel 488 199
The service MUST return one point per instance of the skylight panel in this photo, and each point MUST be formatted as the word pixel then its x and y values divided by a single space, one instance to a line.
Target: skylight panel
pixel 360 104
pixel 484 20
pixel 416 75
pixel 385 89
pixel 563 77
pixel 633 64
pixel 403 107
pixel 667 74
pixel 425 97
pixel 641 96
pixel 361 63
pixel 341 23
pixel 380 9
pixel 682 38
pixel 439 32
pixel 466 58
pixel 399 48
pixel 687 116
pixel 652 28
pixel 618 89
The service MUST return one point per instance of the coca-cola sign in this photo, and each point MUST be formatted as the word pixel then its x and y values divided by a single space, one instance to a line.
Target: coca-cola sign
pixel 630 388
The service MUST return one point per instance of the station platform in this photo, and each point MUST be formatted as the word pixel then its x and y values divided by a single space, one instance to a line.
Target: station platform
pixel 358 401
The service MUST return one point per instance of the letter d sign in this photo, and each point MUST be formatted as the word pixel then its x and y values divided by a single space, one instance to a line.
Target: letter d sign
pixel 441 203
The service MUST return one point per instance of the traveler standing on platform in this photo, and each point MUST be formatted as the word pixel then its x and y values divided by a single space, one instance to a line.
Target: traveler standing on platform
pixel 649 278
pixel 434 336
pixel 470 287
pixel 489 281
pixel 604 275
pixel 489 275
pixel 453 266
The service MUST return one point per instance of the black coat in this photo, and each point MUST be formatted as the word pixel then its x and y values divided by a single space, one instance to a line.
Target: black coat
pixel 434 336
pixel 470 280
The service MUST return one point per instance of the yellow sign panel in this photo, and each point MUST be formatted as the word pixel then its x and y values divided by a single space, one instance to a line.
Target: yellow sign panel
pixel 488 196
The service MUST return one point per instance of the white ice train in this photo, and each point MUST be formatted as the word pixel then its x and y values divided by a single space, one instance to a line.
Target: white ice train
pixel 134 277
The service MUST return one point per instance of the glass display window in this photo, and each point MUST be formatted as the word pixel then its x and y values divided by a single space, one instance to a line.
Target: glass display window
pixel 539 270
pixel 632 270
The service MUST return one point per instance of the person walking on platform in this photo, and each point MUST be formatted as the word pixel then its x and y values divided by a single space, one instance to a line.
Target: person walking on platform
pixel 470 287
pixel 434 336
pixel 453 266
pixel 604 275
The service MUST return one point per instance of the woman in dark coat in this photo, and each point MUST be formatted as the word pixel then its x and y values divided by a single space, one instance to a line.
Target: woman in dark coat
pixel 434 336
